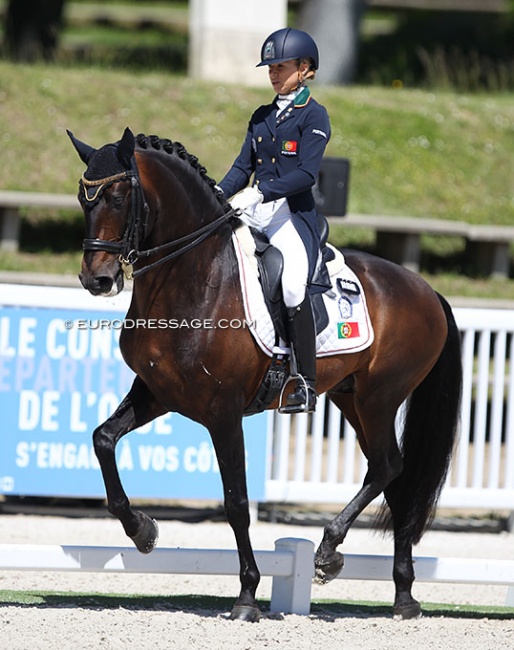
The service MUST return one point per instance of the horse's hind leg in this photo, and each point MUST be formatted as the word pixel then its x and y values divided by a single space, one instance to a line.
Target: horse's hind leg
pixel 376 434
pixel 405 606
pixel 138 408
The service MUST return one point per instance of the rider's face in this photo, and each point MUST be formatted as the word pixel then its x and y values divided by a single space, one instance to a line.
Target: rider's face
pixel 284 76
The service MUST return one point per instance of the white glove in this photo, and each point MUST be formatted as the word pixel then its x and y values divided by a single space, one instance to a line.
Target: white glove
pixel 247 200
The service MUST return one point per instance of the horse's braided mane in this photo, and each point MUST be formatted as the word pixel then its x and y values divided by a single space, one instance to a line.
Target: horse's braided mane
pixel 177 149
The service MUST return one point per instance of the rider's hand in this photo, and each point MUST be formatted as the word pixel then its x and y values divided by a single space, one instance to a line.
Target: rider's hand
pixel 247 200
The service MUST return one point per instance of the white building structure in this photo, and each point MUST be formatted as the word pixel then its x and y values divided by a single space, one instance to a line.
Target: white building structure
pixel 226 38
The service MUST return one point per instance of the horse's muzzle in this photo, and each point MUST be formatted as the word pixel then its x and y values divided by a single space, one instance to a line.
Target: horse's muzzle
pixel 102 285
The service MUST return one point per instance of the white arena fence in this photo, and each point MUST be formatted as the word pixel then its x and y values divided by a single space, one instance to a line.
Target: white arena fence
pixel 291 566
pixel 316 458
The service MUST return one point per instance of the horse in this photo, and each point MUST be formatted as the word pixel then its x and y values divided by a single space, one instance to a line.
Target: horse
pixel 152 212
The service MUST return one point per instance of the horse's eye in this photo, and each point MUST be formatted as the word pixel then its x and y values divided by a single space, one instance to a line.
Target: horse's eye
pixel 118 200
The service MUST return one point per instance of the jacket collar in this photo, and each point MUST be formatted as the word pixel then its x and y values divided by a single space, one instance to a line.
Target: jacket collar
pixel 300 101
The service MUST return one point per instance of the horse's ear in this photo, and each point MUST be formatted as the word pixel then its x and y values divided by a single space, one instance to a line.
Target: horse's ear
pixel 126 148
pixel 83 149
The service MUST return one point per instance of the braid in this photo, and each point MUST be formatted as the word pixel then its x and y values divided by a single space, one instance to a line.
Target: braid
pixel 178 149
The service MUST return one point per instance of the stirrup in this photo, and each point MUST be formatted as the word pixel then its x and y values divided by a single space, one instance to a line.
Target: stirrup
pixel 297 408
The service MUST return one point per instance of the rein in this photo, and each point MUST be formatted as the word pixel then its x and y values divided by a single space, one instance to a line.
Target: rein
pixel 190 241
pixel 128 248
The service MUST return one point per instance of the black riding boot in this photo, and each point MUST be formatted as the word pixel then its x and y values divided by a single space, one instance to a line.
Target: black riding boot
pixel 302 335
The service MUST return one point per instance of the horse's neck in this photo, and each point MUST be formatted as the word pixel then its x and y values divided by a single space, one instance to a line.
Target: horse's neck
pixel 178 208
pixel 190 284
pixel 183 202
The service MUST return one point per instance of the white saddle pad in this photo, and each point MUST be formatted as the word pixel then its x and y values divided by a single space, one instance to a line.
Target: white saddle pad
pixel 349 328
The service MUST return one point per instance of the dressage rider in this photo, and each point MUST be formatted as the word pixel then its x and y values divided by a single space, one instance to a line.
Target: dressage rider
pixel 283 149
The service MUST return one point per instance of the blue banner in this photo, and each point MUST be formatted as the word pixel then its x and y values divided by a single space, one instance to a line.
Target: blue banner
pixel 60 377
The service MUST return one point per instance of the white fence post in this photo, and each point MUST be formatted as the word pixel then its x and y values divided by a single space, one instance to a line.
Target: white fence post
pixel 292 594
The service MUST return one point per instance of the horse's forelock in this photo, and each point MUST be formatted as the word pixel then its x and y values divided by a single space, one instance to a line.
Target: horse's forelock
pixel 103 163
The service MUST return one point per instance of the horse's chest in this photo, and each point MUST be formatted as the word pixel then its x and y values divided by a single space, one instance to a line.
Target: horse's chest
pixel 156 350
pixel 141 349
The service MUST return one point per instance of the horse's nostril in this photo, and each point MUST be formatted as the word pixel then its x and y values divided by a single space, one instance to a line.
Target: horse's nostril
pixel 98 284
pixel 103 283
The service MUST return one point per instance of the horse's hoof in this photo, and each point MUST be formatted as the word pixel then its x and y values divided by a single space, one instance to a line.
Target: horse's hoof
pixel 147 535
pixel 248 613
pixel 325 572
pixel 407 611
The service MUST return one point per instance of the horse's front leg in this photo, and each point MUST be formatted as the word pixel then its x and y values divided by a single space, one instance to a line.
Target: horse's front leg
pixel 229 444
pixel 138 408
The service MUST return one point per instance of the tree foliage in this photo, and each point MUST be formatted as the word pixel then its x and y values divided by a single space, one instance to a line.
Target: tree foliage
pixel 32 28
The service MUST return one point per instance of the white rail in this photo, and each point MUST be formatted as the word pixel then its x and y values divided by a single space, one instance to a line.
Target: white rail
pixel 291 565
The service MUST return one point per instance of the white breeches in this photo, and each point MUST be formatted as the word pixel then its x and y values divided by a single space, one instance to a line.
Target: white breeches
pixel 274 220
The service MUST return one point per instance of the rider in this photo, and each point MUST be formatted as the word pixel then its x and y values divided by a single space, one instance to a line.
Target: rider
pixel 283 149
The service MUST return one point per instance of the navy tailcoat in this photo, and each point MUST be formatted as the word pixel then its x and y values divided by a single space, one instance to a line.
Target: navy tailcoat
pixel 284 154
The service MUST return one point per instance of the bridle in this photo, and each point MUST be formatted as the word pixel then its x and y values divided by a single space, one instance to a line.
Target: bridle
pixel 136 229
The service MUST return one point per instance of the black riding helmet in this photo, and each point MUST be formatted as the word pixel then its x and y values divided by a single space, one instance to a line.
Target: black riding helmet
pixel 286 44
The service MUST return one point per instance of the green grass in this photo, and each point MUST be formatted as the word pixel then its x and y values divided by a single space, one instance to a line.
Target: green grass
pixel 412 152
pixel 424 154
pixel 215 605
pixel 451 285
pixel 367 609
pixel 42 262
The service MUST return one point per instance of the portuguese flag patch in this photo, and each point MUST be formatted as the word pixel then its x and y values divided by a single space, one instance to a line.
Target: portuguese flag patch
pixel 289 147
pixel 347 330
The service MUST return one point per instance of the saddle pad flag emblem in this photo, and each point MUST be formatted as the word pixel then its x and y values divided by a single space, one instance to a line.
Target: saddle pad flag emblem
pixel 347 330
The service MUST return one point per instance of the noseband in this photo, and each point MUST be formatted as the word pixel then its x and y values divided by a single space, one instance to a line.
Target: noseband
pixel 137 225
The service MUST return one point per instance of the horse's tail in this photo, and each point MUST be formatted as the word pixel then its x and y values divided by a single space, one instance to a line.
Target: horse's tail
pixel 428 440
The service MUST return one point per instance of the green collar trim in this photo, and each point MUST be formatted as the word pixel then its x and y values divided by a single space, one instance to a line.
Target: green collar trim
pixel 302 98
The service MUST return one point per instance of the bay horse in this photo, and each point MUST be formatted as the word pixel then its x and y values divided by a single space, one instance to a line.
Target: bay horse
pixel 150 206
